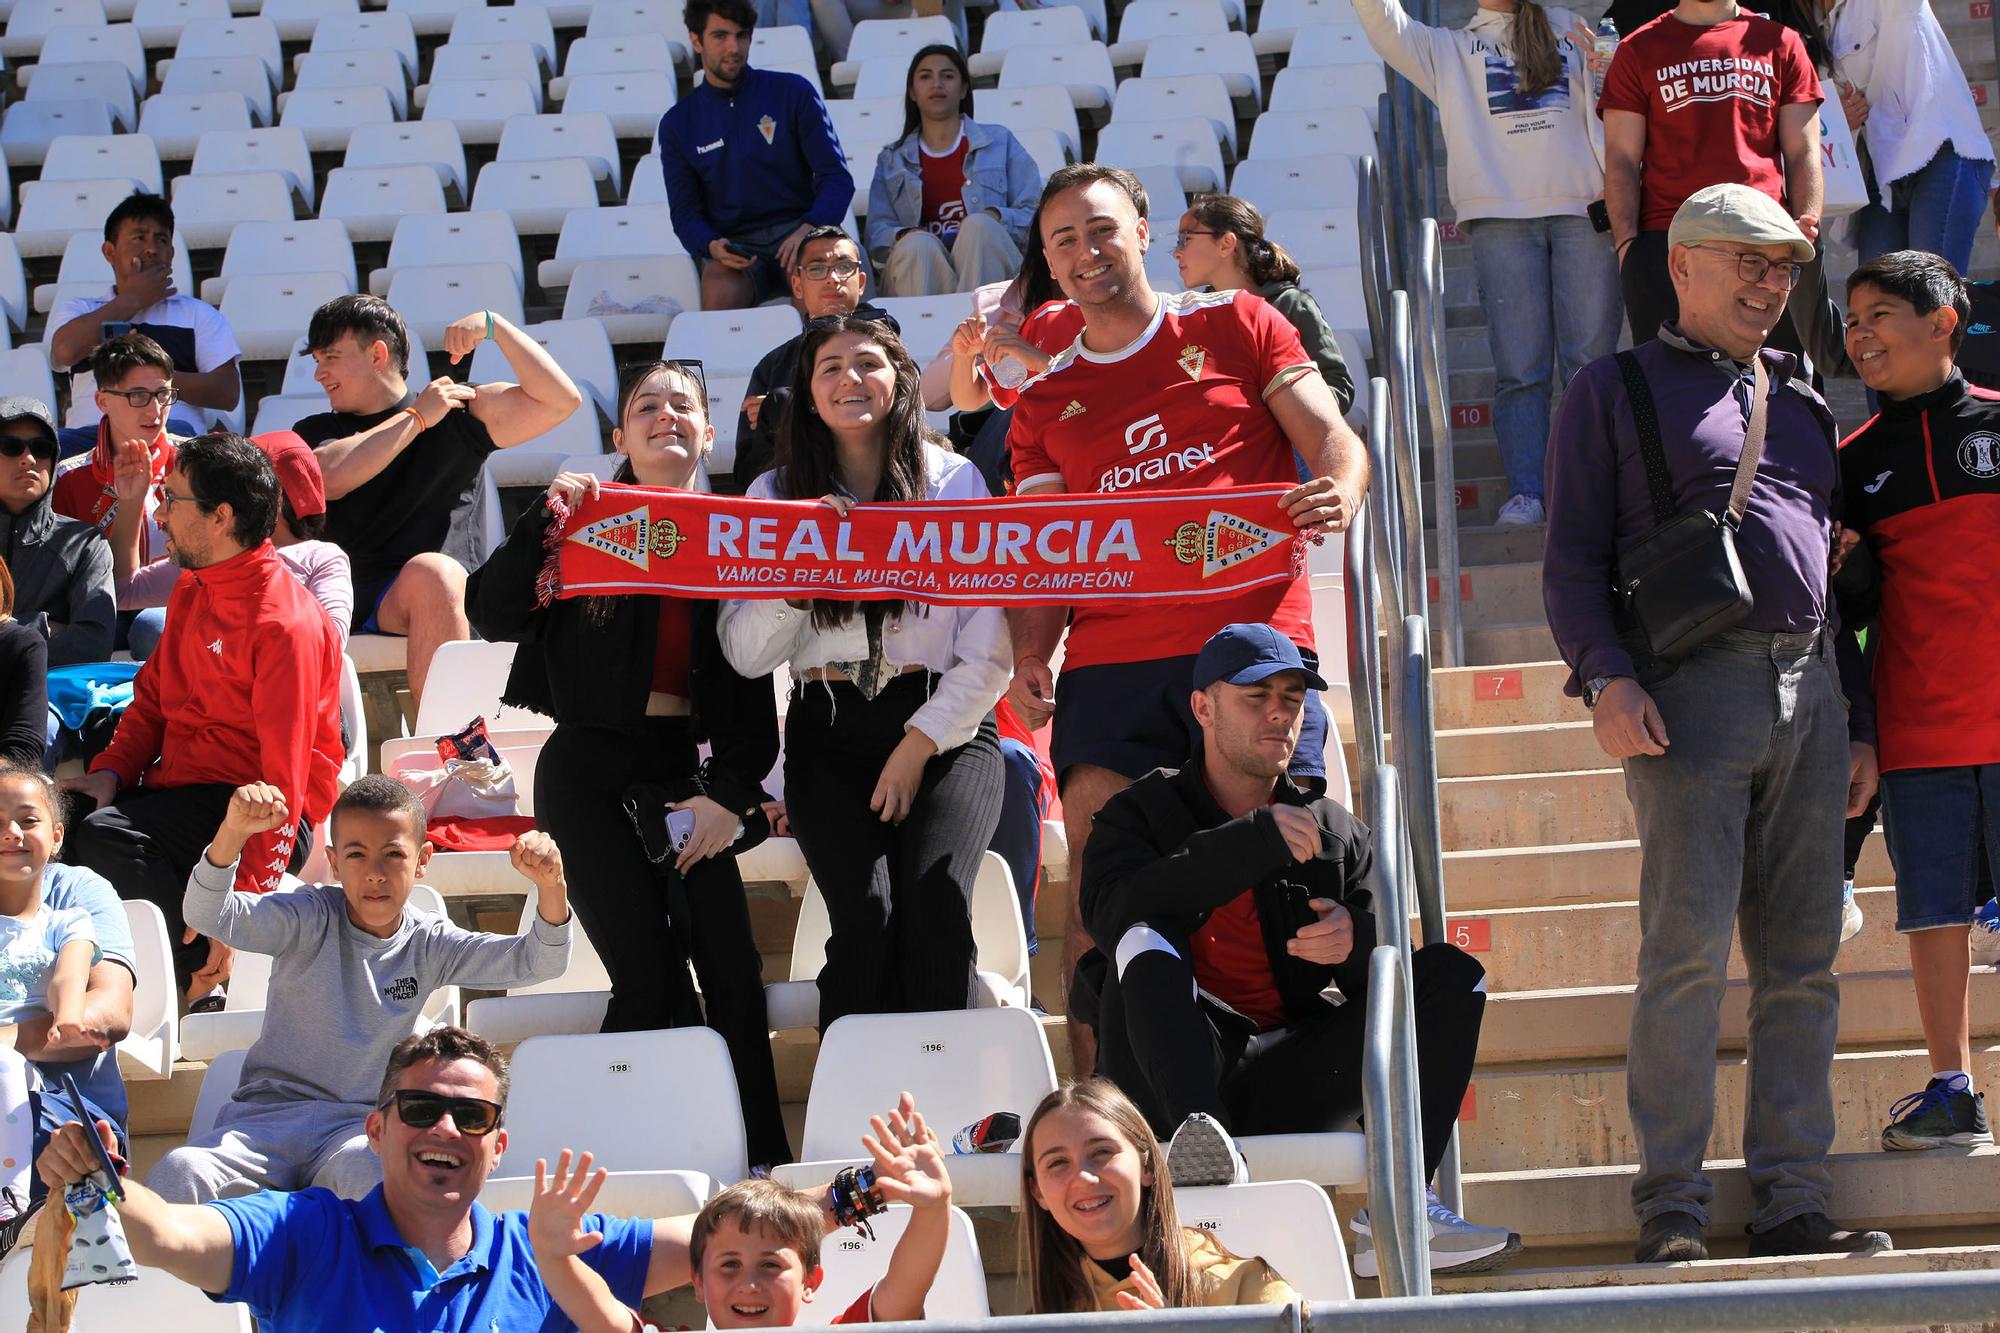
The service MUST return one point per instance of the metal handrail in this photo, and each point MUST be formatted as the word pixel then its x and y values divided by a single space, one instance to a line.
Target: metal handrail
pixel 1416 760
pixel 1397 1220
pixel 1427 304
pixel 1409 498
pixel 1364 671
pixel 1376 262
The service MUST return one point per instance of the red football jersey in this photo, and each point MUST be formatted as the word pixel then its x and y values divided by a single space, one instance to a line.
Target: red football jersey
pixel 1182 407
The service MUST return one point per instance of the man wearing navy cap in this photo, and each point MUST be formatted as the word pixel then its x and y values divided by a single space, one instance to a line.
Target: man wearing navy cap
pixel 1237 912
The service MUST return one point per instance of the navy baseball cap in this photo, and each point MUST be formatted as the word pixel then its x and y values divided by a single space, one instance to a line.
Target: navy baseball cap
pixel 1246 654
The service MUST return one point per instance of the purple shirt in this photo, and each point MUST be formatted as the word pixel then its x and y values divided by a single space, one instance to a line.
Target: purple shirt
pixel 1598 504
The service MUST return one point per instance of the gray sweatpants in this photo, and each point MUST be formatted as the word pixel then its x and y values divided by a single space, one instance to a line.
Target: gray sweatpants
pixel 272 1145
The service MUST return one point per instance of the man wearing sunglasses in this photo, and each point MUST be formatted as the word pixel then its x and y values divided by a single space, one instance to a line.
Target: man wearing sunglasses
pixel 419 1252
pixel 827 280
pixel 61 568
pixel 135 391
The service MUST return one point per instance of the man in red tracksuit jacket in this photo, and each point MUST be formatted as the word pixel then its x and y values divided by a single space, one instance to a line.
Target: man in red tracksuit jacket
pixel 244 687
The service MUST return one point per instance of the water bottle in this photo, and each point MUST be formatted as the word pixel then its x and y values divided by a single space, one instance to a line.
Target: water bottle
pixel 1005 371
pixel 1605 45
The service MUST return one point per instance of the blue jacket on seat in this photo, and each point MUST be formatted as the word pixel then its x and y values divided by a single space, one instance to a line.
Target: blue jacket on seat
pixel 999 174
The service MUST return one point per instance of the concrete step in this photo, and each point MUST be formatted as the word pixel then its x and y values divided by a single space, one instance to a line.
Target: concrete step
pixel 1593 1205
pixel 1495 645
pixel 1541 747
pixel 1534 809
pixel 1533 1118
pixel 1584 872
pixel 1595 1023
pixel 1526 691
pixel 1495 596
pixel 1491 545
pixel 1597 944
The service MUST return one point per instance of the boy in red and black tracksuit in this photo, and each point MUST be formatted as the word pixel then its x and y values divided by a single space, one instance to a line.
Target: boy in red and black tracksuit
pixel 244 687
pixel 1922 486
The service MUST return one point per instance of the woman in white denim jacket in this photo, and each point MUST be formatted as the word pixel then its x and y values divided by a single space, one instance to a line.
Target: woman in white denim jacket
pixel 893 771
pixel 958 239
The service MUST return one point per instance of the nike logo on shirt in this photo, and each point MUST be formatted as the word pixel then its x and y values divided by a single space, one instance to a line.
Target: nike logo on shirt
pixel 1876 484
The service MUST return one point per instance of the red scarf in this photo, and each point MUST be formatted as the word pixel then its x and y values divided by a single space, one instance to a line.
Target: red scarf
pixel 1163 546
pixel 104 507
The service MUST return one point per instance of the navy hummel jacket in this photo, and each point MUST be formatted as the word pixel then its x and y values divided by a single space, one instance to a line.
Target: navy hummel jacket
pixel 759 154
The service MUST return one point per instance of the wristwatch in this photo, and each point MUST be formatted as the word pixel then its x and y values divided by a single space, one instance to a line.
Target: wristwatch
pixel 1594 687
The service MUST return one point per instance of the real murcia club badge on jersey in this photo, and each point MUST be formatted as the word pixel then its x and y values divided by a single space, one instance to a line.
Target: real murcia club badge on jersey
pixel 1192 359
pixel 1223 542
pixel 768 128
pixel 633 537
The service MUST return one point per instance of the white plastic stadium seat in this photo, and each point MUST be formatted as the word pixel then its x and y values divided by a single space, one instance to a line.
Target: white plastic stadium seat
pixel 961 1066
pixel 927 321
pixel 632 100
pixel 431 18
pixel 579 346
pixel 864 126
pixel 274 149
pixel 211 207
pixel 374 201
pixel 1339 294
pixel 433 142
pixel 853 1263
pixel 1318 238
pixel 328 116
pixel 1343 129
pixel 354 69
pixel 451 238
pixel 470 674
pixel 116 42
pixel 13 280
pixel 283 411
pixel 727 341
pixel 725 402
pixel 621 18
pixel 514 62
pixel 1031 108
pixel 787 47
pixel 222 74
pixel 1289 1224
pixel 74 157
pixel 296 20
pixel 571 1004
pixel 624 231
pixel 634 298
pixel 1188 144
pixel 642 1101
pixel 535 462
pixel 267 310
pixel 151 1047
pixel 1228 54
pixel 1278 20
pixel 364 32
pixel 310 246
pixel 104 81
pixel 647 184
pixel 1083 68
pixel 1305 89
pixel 539 196
pixel 53 211
pixel 1332 44
pixel 28 128
pixel 31 21
pixel 1054 25
pixel 1272 183
pixel 883 77
pixel 26 370
pixel 584 134
pixel 481 107
pixel 513 23
pixel 625 54
pixel 1168 97
pixel 249 36
pixel 431 297
pixel 1143 20
pixel 155 1301
pixel 891 39
pixel 176 121
pixel 625 1194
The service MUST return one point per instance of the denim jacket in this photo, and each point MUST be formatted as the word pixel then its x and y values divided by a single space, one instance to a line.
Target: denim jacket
pixel 998 174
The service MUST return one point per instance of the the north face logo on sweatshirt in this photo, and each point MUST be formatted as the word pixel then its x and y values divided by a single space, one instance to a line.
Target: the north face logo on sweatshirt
pixel 402 988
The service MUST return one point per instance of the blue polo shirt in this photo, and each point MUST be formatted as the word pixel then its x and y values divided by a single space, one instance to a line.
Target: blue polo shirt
pixel 313 1261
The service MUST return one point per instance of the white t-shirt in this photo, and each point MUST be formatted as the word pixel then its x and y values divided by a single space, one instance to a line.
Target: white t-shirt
pixel 189 328
pixel 28 948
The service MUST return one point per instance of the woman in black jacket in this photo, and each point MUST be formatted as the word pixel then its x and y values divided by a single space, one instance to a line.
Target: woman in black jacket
pixel 634 684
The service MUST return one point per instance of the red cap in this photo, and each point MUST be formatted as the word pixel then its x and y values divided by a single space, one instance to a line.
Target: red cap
pixel 298 470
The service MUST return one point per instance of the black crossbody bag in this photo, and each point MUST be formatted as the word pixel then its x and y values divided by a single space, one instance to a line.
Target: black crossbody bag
pixel 1682 584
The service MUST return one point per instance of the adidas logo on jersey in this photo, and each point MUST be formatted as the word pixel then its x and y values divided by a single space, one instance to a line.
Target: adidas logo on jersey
pixel 1075 409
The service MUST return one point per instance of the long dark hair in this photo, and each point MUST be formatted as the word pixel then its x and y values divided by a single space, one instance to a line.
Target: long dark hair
pixel 1265 259
pixel 913 117
pixel 807 460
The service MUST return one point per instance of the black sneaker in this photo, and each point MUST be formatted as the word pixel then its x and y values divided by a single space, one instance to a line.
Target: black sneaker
pixel 1671 1238
pixel 1946 1114
pixel 12 1227
pixel 1814 1233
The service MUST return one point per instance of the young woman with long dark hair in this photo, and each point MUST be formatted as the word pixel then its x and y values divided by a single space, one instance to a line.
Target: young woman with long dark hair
pixel 893 772
pixel 635 684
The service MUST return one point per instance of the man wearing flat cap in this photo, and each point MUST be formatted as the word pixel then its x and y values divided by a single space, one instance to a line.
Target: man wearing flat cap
pixel 1735 737
pixel 1236 910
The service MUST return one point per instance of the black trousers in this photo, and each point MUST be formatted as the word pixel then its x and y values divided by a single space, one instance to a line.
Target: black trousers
pixel 649 923
pixel 147 844
pixel 898 896
pixel 1175 1054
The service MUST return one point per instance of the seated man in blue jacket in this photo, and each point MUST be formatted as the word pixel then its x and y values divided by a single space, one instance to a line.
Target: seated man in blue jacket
pixel 750 160
pixel 1237 913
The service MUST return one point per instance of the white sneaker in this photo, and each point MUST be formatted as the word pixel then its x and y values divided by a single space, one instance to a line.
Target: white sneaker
pixel 1202 1153
pixel 1457 1246
pixel 1521 511
pixel 1986 935
pixel 1850 913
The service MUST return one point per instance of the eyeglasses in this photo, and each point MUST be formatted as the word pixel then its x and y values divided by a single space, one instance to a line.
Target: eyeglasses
pixel 164 499
pixel 841 269
pixel 164 396
pixel 1181 238
pixel 1752 267
pixel 474 1116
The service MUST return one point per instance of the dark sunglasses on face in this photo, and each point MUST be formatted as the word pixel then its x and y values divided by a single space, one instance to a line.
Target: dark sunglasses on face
pixel 12 446
pixel 474 1116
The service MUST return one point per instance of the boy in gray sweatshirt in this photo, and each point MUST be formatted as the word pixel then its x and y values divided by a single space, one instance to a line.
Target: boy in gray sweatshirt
pixel 352 965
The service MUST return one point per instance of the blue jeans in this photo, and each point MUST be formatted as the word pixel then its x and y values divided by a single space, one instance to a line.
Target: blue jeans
pixel 1940 822
pixel 1549 287
pixel 142 636
pixel 1739 833
pixel 1937 207
pixel 1018 836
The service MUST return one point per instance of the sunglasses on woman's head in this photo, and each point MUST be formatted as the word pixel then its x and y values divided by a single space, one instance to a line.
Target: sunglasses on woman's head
pixel 632 372
pixel 474 1116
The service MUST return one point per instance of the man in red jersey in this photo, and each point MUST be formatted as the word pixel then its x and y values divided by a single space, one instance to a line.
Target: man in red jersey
pixel 1160 391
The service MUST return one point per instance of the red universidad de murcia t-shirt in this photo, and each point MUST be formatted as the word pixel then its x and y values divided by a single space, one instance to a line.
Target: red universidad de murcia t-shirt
pixel 1711 98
